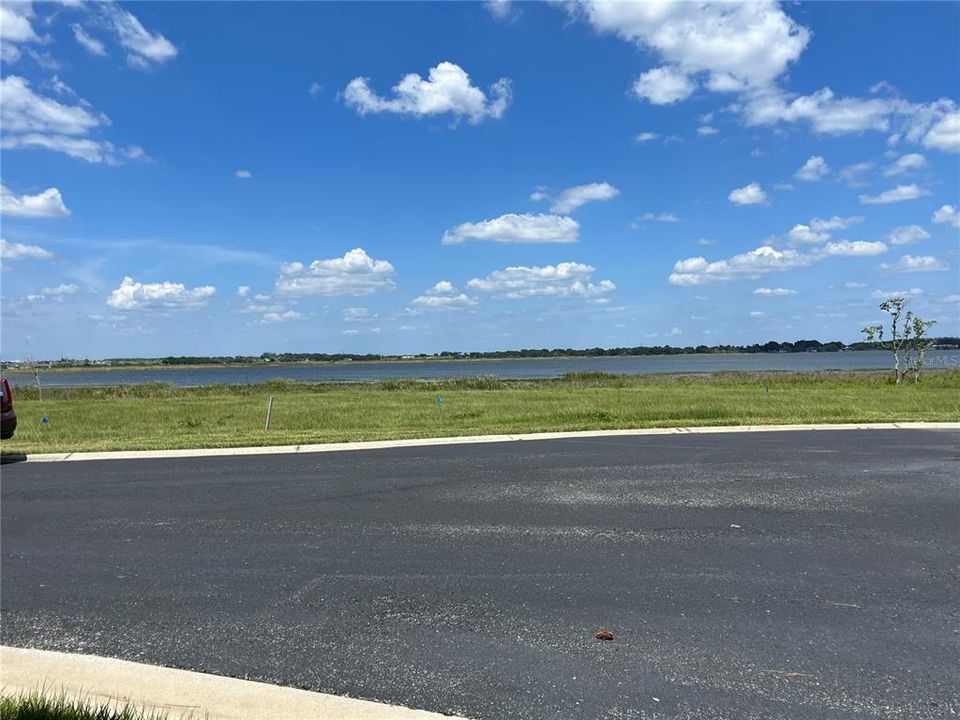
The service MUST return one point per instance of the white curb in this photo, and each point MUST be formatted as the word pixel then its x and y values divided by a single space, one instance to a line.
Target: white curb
pixel 470 439
pixel 181 693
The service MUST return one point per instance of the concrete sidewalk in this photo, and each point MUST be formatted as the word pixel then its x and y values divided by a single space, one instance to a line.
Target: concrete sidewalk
pixel 181 693
pixel 468 440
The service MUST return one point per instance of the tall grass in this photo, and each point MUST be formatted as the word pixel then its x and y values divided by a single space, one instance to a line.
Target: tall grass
pixel 165 416
pixel 44 706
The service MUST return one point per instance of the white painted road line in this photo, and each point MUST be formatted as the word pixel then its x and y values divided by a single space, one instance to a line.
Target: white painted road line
pixel 471 439
pixel 181 693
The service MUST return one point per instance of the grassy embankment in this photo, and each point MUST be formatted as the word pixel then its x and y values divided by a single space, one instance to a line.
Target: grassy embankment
pixel 164 416
pixel 43 706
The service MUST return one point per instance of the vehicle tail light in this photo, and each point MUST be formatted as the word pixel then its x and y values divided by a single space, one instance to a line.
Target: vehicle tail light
pixel 7 396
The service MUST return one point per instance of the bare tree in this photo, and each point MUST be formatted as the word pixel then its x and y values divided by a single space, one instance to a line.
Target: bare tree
pixel 908 338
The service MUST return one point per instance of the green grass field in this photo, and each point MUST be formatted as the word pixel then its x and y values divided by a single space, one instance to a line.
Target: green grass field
pixel 164 416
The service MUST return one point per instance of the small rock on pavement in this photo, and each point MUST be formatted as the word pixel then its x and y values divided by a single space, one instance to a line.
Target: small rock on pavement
pixel 603 634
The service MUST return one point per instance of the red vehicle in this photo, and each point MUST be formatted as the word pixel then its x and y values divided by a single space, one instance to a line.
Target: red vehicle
pixel 8 416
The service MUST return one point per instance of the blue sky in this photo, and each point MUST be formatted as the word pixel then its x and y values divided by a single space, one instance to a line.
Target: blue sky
pixel 235 178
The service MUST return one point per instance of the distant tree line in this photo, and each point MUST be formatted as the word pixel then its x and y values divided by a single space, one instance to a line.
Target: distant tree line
pixel 798 346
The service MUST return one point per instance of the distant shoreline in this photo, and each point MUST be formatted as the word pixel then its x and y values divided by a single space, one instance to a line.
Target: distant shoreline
pixel 159 364
pixel 330 363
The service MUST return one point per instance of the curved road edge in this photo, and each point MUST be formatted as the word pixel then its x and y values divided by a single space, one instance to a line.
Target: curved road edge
pixel 464 440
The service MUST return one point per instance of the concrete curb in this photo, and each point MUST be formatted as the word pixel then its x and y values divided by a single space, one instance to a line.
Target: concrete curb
pixel 470 439
pixel 181 693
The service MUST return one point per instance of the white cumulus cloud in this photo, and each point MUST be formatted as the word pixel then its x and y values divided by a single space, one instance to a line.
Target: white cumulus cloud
pixel 945 134
pixel 663 86
pixel 92 151
pixel 61 289
pixel 15 28
pixel 19 251
pixel 853 248
pixel 907 235
pixel 900 193
pixel 744 48
pixel 751 194
pixel 935 124
pixel 887 294
pixel 825 112
pixel 905 163
pixel 818 230
pixel 753 264
pixel 443 296
pixel 763 261
pixel 566 201
pixel 735 44
pixel 566 279
pixel 47 204
pixel 25 111
pixel 31 120
pixel 774 292
pixel 664 217
pixel 284 316
pixel 56 294
pixel 133 295
pixel 447 89
pixel 356 273
pixel 806 235
pixel 947 215
pixel 514 228
pixel 835 223
pixel 813 170
pixel 916 263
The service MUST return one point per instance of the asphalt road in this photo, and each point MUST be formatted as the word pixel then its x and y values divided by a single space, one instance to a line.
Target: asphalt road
pixel 791 574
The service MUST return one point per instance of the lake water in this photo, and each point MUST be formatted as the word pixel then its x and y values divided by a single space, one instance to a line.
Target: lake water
pixel 508 369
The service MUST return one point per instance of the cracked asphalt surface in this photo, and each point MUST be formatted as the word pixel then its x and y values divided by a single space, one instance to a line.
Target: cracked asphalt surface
pixel 761 575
